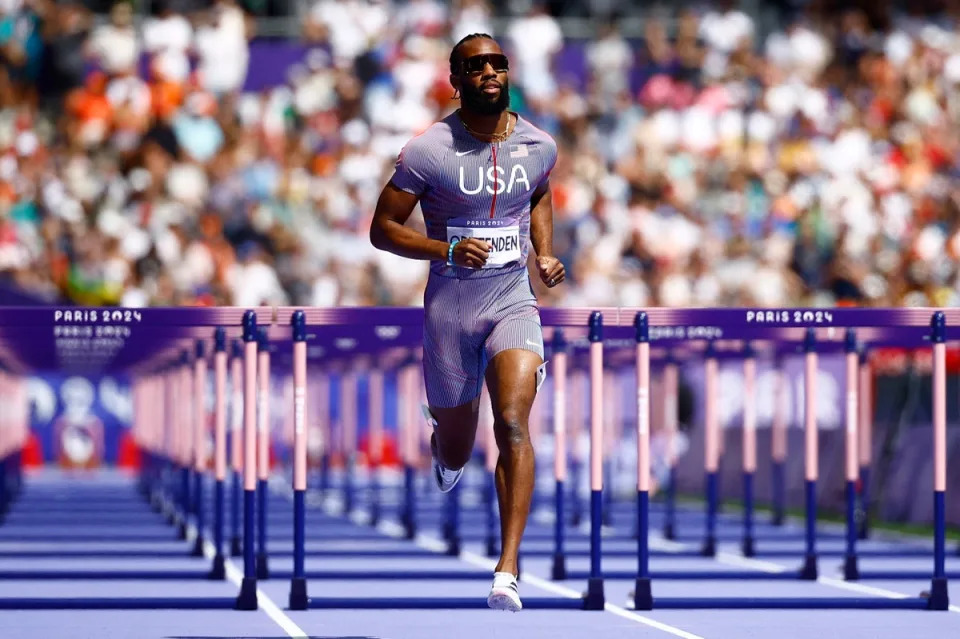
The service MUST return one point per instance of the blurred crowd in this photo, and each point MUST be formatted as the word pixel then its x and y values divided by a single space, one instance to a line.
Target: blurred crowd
pixel 704 164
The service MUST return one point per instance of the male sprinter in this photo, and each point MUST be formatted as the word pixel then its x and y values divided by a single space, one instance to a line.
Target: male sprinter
pixel 480 176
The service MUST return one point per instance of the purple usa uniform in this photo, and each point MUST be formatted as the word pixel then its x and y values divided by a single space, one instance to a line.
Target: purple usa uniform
pixel 469 188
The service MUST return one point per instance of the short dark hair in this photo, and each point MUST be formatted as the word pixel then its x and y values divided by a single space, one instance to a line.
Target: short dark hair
pixel 455 59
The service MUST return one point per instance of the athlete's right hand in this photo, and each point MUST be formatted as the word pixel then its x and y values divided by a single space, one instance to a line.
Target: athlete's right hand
pixel 471 253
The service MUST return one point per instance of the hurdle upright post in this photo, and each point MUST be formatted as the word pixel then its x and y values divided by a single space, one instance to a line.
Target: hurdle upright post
pixel 298 584
pixel 236 444
pixel 865 439
pixel 183 426
pixel 939 599
pixel 595 598
pixel 218 570
pixel 642 594
pixel 749 445
pixel 247 599
pixel 811 452
pixel 263 450
pixel 711 454
pixel 850 571
pixel 407 425
pixel 491 534
pixel 200 442
pixel 670 417
pixel 778 444
pixel 375 443
pixel 559 570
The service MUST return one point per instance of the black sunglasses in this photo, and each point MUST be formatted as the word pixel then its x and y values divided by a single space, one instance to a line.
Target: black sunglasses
pixel 477 63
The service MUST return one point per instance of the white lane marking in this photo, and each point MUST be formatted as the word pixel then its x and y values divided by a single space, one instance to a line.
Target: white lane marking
pixel 235 576
pixel 767 566
pixel 543 584
pixel 394 529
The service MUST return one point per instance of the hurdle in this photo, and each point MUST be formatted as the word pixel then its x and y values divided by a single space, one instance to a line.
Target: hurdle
pixel 173 427
pixel 937 599
pixel 404 326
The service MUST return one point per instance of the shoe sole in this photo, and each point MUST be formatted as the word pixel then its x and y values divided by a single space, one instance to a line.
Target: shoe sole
pixel 503 601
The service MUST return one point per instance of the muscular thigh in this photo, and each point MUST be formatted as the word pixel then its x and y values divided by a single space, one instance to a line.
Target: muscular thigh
pixel 512 380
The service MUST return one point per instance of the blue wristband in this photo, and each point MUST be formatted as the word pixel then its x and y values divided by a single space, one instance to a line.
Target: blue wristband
pixel 450 253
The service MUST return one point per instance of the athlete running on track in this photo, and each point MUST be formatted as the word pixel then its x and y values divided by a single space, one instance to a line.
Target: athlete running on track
pixel 481 178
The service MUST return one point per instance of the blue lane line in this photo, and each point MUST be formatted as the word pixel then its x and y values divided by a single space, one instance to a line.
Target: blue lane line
pixel 117 603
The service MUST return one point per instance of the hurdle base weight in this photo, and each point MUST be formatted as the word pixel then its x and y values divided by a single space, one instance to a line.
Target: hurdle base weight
pixel 453 547
pixel 850 570
pixel 218 572
pixel 669 532
pixel 182 529
pixel 642 594
pixel 491 546
pixel 809 570
pixel 236 549
pixel 198 545
pixel 748 547
pixel 298 594
pixel 937 598
pixel 263 571
pixel 709 547
pixel 558 571
pixel 594 598
pixel 247 599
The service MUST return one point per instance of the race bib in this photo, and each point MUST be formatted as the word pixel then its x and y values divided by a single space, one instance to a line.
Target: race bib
pixel 502 234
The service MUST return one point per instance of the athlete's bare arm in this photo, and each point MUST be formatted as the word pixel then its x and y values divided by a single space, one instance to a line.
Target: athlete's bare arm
pixel 388 233
pixel 541 236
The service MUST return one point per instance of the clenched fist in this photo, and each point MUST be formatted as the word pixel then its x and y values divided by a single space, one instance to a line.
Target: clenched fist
pixel 551 270
pixel 471 253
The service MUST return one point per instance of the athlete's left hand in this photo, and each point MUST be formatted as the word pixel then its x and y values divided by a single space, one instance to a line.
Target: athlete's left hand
pixel 551 270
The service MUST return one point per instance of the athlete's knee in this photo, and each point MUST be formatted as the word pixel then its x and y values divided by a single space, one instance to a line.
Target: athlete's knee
pixel 454 457
pixel 510 430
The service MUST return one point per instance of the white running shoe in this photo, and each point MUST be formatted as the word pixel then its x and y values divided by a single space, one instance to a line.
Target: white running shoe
pixel 446 479
pixel 504 594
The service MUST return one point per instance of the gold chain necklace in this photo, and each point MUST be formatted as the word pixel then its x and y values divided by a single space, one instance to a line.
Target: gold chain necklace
pixel 493 137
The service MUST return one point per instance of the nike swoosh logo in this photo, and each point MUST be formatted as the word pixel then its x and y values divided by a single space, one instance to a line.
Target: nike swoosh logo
pixel 459 153
pixel 537 344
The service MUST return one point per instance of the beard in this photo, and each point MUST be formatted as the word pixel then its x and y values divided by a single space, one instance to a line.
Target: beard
pixel 479 102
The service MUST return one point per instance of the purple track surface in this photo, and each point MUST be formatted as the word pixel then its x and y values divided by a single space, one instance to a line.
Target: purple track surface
pixel 58 527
